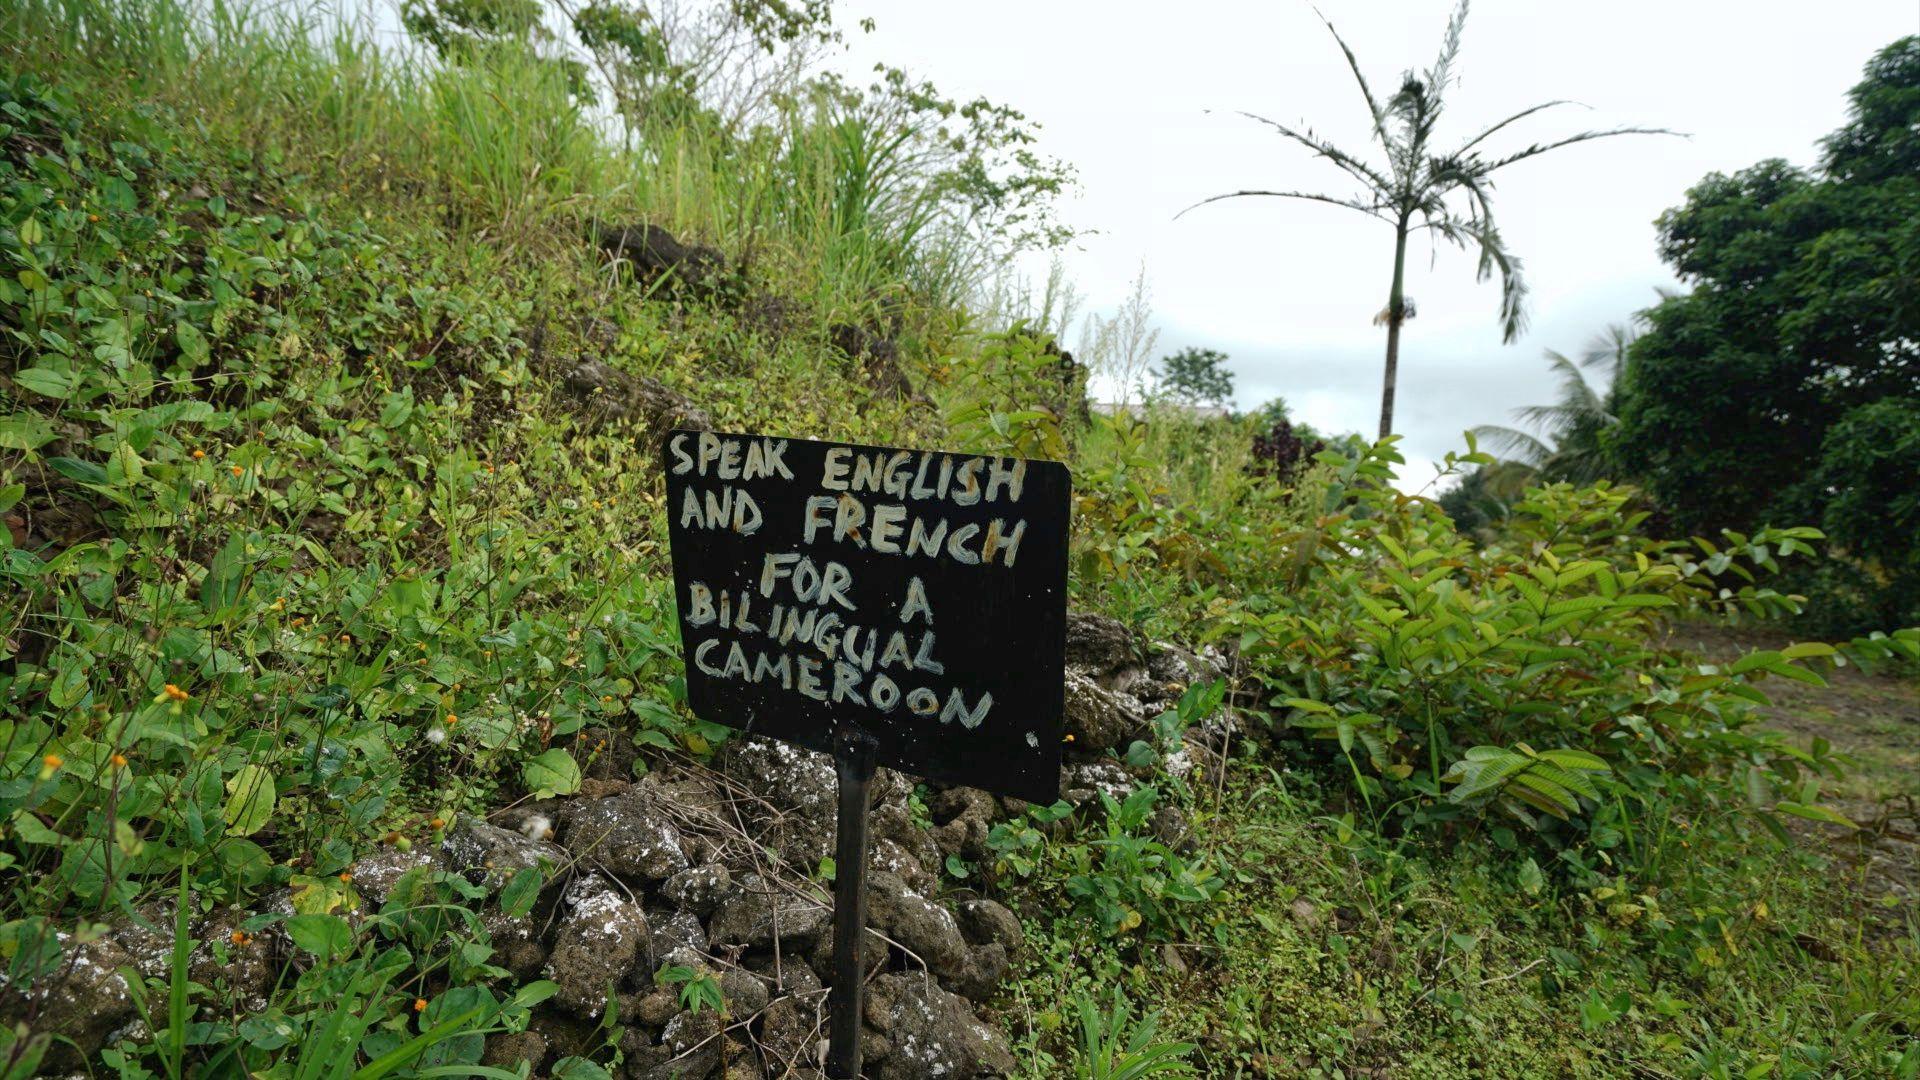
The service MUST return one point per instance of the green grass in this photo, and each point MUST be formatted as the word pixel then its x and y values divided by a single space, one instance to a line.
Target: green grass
pixel 1332 958
pixel 283 427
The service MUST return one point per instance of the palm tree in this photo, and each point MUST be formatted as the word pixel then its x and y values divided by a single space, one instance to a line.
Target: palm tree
pixel 1417 187
pixel 1564 440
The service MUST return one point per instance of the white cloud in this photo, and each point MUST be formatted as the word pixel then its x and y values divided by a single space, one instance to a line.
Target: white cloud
pixel 1289 288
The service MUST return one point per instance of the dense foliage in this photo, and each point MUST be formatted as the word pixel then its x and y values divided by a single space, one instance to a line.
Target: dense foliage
pixel 1783 385
pixel 316 542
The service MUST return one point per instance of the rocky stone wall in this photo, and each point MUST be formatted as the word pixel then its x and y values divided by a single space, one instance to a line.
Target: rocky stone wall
pixel 711 867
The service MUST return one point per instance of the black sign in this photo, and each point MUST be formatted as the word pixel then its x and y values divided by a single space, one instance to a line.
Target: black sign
pixel 915 595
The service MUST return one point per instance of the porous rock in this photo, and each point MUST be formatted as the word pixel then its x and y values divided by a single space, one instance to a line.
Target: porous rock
pixel 1097 643
pixel 755 912
pixel 1099 719
pixel 247 972
pixel 931 1032
pixel 698 889
pixel 656 1008
pixel 986 967
pixel 654 252
pixel 1176 669
pixel 601 934
pixel 491 855
pixel 508 1048
pixel 965 817
pixel 890 856
pixel 791 1029
pixel 627 835
pixel 1084 782
pixel 921 926
pixel 375 875
pixel 604 393
pixel 745 993
pixel 895 825
pixel 989 922
pixel 672 932
pixel 692 1042
pixel 799 785
pixel 84 999
pixel 517 945
pixel 787 976
pixel 878 357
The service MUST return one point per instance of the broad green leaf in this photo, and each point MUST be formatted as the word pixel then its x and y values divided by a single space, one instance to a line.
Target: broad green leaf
pixel 1815 812
pixel 250 800
pixel 193 344
pixel 74 469
pixel 47 382
pixel 579 1068
pixel 1531 879
pixel 517 898
pixel 325 936
pixel 551 773
pixel 25 431
pixel 1804 649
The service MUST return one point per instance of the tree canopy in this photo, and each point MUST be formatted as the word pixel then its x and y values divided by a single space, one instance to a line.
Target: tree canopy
pixel 1197 376
pixel 1785 385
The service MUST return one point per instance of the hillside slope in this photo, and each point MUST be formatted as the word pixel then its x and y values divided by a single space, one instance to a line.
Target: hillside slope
pixel 341 689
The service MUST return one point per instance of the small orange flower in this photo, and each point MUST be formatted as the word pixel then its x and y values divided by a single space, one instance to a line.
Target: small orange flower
pixel 452 719
pixel 438 823
pixel 345 878
pixel 345 638
pixel 419 1004
pixel 237 470
pixel 175 693
pixel 119 761
pixel 52 761
pixel 238 937
pixel 199 454
pixel 296 621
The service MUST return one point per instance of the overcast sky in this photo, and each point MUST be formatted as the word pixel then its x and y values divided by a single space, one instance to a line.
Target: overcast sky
pixel 1288 288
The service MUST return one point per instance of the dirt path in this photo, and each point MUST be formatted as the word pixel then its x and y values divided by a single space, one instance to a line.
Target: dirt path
pixel 1871 719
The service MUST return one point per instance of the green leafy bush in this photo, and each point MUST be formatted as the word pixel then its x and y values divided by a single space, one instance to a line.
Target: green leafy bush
pixel 402 992
pixel 1127 880
pixel 1117 1045
pixel 1526 675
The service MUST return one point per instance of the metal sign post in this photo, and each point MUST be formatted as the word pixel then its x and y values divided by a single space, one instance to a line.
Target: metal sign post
pixel 887 606
pixel 853 763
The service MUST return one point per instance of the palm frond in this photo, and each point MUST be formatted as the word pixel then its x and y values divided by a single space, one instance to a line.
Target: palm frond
pixel 1577 395
pixel 1494 256
pixel 1353 166
pixel 1353 64
pixel 1513 444
pixel 1515 118
pixel 1608 348
pixel 1441 73
pixel 1370 209
pixel 1586 136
